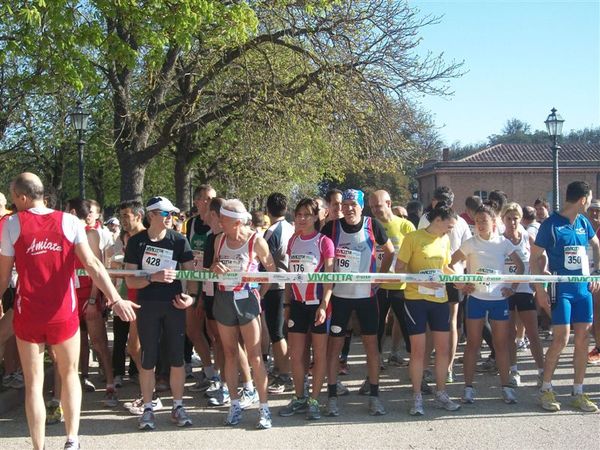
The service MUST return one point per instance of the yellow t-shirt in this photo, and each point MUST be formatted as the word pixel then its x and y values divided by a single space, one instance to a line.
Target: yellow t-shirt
pixel 396 229
pixel 422 252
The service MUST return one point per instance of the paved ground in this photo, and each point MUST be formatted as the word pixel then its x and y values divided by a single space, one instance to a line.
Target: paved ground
pixel 487 424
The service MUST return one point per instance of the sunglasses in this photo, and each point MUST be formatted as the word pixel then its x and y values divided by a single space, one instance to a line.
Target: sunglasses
pixel 165 213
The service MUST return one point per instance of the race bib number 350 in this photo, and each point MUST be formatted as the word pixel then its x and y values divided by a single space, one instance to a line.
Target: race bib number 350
pixel 576 258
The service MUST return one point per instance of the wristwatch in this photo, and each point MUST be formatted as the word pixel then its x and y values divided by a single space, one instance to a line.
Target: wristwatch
pixel 149 278
pixel 91 301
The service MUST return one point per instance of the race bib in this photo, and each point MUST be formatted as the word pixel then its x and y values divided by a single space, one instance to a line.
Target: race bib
pixel 509 267
pixel 485 287
pixel 234 265
pixel 198 258
pixel 347 260
pixel 576 258
pixel 438 293
pixel 197 243
pixel 302 263
pixel 379 260
pixel 156 259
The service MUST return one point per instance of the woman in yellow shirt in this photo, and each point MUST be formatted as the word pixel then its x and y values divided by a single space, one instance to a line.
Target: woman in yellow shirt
pixel 427 251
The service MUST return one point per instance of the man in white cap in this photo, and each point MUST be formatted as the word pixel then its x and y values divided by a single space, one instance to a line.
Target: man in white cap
pixel 593 213
pixel 159 251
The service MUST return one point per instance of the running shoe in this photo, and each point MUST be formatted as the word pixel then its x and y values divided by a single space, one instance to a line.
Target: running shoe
pixel 489 365
pixel 468 395
pixel 428 376
pixel 296 405
pixel 196 360
pixel 54 413
pixel 417 408
pixel 396 360
pixel 365 388
pixel 234 416
pixel 548 401
pixel 508 395
pixel 594 357
pixel 110 398
pixel 332 407
pixel 179 417
pixel 280 385
pixel 13 380
pixel 215 385
pixel 71 445
pixel 344 368
pixel 522 345
pixel 314 410
pixel 118 381
pixel 137 407
pixel 514 378
pixel 583 403
pixel 539 379
pixel 87 385
pixel 264 419
pixel 147 421
pixel 306 387
pixel 202 383
pixel 376 407
pixel 381 363
pixel 450 377
pixel 425 388
pixel 248 398
pixel 220 398
pixel 189 371
pixel 341 389
pixel 444 401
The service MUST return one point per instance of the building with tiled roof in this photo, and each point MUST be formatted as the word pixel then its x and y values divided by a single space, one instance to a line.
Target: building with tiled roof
pixel 523 171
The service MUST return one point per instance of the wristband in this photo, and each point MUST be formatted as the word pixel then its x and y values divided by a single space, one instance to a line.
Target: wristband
pixel 149 278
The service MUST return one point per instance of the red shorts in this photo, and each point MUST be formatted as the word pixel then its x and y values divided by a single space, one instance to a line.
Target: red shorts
pixel 46 333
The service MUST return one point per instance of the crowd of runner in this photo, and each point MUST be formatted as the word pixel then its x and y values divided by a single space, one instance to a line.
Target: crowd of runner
pixel 252 339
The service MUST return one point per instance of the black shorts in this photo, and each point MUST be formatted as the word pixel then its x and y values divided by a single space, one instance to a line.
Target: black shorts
pixel 152 319
pixel 367 311
pixel 208 301
pixel 453 294
pixel 302 319
pixel 420 313
pixel 234 312
pixel 521 301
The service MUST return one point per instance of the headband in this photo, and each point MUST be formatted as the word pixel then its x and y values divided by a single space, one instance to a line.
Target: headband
pixel 354 194
pixel 235 214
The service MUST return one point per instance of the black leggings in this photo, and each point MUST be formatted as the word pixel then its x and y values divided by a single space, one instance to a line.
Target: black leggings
pixel 386 299
pixel 274 314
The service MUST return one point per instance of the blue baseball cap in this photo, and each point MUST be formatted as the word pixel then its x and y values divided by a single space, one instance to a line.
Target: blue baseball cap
pixel 354 194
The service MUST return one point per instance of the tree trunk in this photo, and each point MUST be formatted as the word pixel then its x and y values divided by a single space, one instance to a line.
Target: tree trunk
pixel 98 186
pixel 132 178
pixel 183 177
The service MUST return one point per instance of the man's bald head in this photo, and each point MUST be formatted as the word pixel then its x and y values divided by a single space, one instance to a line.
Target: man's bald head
pixel 380 204
pixel 29 185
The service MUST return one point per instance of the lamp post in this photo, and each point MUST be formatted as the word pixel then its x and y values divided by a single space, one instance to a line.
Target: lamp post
pixel 79 119
pixel 554 124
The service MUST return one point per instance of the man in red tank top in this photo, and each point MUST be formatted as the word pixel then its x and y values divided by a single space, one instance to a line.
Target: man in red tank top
pixel 43 245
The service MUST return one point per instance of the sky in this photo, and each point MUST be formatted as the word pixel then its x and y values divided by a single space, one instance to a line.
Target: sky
pixel 522 59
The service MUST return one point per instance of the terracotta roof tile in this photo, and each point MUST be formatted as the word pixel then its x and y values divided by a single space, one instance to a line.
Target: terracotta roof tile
pixel 534 153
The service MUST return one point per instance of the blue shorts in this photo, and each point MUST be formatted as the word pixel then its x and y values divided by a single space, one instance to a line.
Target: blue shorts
pixel 569 309
pixel 495 309
pixel 420 313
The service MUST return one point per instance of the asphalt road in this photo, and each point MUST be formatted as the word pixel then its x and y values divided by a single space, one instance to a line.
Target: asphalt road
pixel 489 423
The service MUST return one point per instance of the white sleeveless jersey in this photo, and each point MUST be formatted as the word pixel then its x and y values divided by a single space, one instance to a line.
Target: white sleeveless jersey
pixel 524 251
pixel 241 259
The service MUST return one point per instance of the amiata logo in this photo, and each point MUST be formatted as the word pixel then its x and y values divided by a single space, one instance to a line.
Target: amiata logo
pixel 39 247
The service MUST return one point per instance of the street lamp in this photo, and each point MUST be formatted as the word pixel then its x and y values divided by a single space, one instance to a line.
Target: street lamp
pixel 554 124
pixel 79 119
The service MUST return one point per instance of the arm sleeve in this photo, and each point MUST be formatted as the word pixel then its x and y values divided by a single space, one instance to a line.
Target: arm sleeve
pixel 327 248
pixel 544 235
pixel 381 236
pixel 274 242
pixel 407 227
pixel 405 252
pixel 10 234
